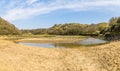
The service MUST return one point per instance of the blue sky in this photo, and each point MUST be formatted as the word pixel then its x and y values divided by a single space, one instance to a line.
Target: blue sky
pixel 31 14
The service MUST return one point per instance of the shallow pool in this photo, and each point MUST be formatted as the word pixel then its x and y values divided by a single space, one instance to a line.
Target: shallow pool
pixel 85 42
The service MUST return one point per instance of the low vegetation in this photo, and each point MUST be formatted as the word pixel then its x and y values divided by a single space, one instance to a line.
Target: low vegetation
pixel 109 30
pixel 71 29
pixel 8 29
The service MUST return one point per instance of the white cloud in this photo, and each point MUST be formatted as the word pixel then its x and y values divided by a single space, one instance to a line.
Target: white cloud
pixel 31 1
pixel 19 9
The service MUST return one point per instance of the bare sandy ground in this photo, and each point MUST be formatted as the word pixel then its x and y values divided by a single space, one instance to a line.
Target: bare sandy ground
pixel 51 39
pixel 16 57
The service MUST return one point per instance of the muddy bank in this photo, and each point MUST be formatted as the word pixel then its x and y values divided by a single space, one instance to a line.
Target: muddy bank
pixel 16 57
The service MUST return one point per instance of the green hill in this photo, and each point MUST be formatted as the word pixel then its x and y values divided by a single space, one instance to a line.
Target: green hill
pixel 7 29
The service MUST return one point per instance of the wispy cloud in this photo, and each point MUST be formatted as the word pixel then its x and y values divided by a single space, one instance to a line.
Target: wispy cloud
pixel 19 9
pixel 31 1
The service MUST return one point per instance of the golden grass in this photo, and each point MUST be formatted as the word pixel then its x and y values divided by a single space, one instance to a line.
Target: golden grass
pixel 16 57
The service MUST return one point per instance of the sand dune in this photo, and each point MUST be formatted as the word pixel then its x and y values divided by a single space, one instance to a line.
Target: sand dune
pixel 16 57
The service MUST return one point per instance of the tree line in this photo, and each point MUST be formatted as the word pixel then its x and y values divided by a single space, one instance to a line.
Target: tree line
pixel 71 29
pixel 112 27
pixel 104 28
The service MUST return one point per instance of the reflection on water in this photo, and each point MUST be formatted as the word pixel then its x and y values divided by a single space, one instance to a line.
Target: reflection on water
pixel 89 41
pixel 51 45
pixel 47 45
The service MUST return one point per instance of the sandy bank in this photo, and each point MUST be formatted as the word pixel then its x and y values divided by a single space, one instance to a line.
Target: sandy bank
pixel 52 40
pixel 16 57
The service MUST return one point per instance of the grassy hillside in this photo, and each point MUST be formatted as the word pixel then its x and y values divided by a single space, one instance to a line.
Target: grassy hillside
pixel 7 28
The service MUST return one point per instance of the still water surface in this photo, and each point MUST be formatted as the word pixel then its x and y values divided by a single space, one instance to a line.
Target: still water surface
pixel 88 41
pixel 47 45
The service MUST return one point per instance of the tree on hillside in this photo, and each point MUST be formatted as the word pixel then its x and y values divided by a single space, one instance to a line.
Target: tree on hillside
pixel 118 20
pixel 117 26
pixel 103 27
pixel 113 21
pixel 114 26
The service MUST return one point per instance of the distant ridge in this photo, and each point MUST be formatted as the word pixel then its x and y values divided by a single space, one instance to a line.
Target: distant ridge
pixel 7 28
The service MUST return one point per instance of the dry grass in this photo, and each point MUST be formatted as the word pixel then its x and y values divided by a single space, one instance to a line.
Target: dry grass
pixel 51 39
pixel 16 57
